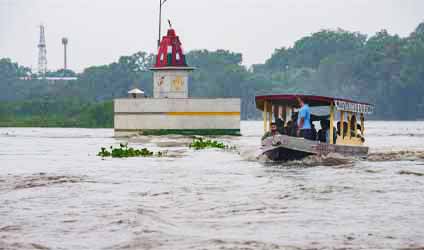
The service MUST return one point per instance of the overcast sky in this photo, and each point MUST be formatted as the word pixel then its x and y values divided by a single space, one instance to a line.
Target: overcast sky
pixel 100 31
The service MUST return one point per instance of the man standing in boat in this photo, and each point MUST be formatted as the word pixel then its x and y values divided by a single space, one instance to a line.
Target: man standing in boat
pixel 304 121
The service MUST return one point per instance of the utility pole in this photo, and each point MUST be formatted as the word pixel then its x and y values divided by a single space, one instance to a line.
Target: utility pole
pixel 42 54
pixel 161 3
pixel 65 54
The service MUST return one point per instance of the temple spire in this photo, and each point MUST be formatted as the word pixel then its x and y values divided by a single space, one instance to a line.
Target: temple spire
pixel 170 53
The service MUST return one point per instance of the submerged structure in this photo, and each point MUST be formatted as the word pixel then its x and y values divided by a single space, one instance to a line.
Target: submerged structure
pixel 171 110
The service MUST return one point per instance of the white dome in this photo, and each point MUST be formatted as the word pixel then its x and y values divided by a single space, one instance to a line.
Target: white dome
pixel 136 91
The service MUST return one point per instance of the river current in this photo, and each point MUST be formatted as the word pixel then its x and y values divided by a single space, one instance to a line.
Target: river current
pixel 55 193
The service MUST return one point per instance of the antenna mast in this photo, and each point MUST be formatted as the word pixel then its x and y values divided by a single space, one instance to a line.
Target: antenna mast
pixel 161 3
pixel 42 54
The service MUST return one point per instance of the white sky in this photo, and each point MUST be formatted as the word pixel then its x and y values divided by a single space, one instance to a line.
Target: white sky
pixel 100 31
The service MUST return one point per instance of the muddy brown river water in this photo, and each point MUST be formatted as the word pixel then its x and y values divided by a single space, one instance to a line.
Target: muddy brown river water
pixel 55 193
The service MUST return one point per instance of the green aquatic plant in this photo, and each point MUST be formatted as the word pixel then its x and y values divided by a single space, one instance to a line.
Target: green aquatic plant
pixel 200 143
pixel 104 153
pixel 126 152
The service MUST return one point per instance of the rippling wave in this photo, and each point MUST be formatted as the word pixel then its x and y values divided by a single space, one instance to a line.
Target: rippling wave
pixel 402 155
pixel 57 194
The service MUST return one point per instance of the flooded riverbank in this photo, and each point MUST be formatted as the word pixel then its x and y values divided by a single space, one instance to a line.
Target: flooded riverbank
pixel 57 194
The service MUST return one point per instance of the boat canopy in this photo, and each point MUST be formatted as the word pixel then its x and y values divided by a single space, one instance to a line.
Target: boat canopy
pixel 290 100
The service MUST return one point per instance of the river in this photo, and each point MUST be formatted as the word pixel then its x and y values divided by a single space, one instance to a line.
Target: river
pixel 56 193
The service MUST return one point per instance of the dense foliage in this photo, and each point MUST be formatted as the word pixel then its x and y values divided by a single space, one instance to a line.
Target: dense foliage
pixel 56 113
pixel 383 69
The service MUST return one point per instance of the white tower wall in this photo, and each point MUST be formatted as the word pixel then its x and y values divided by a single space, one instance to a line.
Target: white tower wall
pixel 170 83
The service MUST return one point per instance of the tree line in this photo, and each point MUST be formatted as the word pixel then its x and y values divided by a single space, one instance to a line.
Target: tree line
pixel 383 69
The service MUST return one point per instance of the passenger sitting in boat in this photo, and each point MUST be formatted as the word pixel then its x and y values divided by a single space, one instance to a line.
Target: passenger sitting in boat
pixel 338 128
pixel 293 131
pixel 304 121
pixel 328 133
pixel 289 128
pixel 273 132
pixel 344 128
pixel 280 126
pixel 322 132
pixel 354 127
pixel 314 131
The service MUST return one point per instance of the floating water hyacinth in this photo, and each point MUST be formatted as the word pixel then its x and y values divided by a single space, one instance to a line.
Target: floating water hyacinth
pixel 126 152
pixel 200 143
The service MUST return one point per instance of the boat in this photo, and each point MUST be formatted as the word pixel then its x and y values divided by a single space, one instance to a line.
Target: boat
pixel 348 138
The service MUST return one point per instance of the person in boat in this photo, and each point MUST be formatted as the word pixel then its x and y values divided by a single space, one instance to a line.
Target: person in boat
pixel 327 137
pixel 322 133
pixel 293 131
pixel 314 131
pixel 289 128
pixel 355 127
pixel 344 128
pixel 280 126
pixel 304 121
pixel 273 132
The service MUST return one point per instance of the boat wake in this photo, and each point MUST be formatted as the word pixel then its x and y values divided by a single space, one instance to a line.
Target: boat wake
pixel 252 154
pixel 401 155
pixel 331 160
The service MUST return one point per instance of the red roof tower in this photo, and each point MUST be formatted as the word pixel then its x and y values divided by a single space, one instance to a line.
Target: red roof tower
pixel 170 53
pixel 170 72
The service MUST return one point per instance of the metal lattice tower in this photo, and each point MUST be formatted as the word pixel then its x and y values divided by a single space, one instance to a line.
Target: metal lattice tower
pixel 42 53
